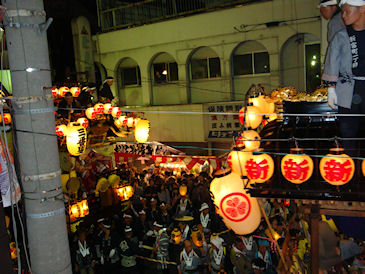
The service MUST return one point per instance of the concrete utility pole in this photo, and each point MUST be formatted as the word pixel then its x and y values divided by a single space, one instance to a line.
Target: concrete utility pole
pixel 26 39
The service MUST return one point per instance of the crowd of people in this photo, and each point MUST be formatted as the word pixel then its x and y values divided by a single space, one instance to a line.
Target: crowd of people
pixel 162 229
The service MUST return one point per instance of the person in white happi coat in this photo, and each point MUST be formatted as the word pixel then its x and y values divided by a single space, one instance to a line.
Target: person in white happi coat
pixel 216 255
pixel 205 220
pixel 189 260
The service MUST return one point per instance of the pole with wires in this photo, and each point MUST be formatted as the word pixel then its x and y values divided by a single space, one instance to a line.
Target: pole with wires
pixel 34 123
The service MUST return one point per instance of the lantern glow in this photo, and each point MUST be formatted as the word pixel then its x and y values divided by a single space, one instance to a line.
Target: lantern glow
pixel 237 161
pixel 76 139
pixel 142 131
pixel 75 91
pixel 54 92
pixel 130 122
pixel 337 169
pixel 183 189
pixel 251 119
pixel 61 130
pixel 83 121
pixel 297 168
pixel 108 108
pixel 240 212
pixel 116 112
pixel 62 91
pixel 249 136
pixel 78 210
pixel 7 118
pixel 259 167
pixel 99 108
pixel 90 113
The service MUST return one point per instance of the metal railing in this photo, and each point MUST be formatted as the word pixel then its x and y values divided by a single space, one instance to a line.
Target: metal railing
pixel 149 11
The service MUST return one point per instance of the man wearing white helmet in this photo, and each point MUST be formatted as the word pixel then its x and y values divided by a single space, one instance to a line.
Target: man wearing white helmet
pixel 330 11
pixel 344 70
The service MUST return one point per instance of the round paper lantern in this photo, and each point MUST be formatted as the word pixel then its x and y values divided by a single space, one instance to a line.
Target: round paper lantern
pixel 75 91
pixel 76 139
pixel 297 167
pixel 363 167
pixel 259 102
pixel 90 113
pixel 54 92
pixel 270 106
pixel 61 130
pixel 237 161
pixel 62 91
pixel 259 167
pixel 116 112
pixel 252 119
pixel 248 136
pixel 99 108
pixel 337 169
pixel 272 117
pixel 176 236
pixel 7 118
pixel 124 120
pixel 83 121
pixel 240 142
pixel 108 108
pixel 240 212
pixel 183 189
pixel 130 122
pixel 142 131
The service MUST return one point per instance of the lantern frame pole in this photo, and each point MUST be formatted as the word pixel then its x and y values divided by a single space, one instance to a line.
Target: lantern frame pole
pixel 272 235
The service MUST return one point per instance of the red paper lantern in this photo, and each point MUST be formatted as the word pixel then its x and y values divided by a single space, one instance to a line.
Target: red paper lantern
pixel 297 168
pixel 54 92
pixel 62 91
pixel 337 169
pixel 90 113
pixel 116 112
pixel 108 108
pixel 7 118
pixel 75 91
pixel 99 108
pixel 259 167
pixel 83 121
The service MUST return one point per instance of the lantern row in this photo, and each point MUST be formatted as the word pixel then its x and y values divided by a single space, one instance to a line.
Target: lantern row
pixel 336 168
pixel 61 92
pixel 78 210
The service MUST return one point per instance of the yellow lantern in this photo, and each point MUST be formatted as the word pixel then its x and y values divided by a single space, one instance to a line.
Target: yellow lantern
pixel 237 161
pixel 130 122
pixel 90 113
pixel 259 102
pixel 118 123
pixel 76 139
pixel 272 117
pixel 99 108
pixel 183 189
pixel 297 168
pixel 83 121
pixel 108 108
pixel 197 237
pixel 62 91
pixel 240 212
pixel 142 130
pixel 129 191
pixel 125 192
pixel 7 118
pixel 75 91
pixel 61 130
pixel 13 250
pixel 276 235
pixel 176 236
pixel 74 212
pixel 363 167
pixel 259 167
pixel 270 107
pixel 337 169
pixel 84 208
pixel 252 119
pixel 248 136
pixel 116 112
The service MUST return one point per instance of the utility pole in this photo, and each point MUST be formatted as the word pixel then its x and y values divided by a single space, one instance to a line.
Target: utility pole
pixel 33 110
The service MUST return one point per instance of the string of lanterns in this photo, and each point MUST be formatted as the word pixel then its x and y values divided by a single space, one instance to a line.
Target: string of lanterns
pixel 61 92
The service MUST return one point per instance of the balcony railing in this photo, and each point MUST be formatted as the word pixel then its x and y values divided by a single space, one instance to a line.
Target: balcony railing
pixel 150 11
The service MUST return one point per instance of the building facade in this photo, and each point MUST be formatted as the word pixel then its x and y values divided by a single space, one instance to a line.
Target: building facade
pixel 205 61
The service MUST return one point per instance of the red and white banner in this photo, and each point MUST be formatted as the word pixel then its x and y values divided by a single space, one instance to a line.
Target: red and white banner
pixel 189 161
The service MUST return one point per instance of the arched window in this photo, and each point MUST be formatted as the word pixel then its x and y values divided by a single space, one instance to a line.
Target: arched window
pixel 164 69
pixel 250 58
pixel 129 73
pixel 205 64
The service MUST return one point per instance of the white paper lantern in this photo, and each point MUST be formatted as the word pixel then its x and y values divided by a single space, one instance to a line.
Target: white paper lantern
pixel 237 161
pixel 116 112
pixel 108 108
pixel 240 212
pixel 142 131
pixel 90 113
pixel 76 139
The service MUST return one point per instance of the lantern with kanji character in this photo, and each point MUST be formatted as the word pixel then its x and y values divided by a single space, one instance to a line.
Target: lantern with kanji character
pixel 176 236
pixel 259 167
pixel 7 118
pixel 237 161
pixel 131 122
pixel 251 118
pixel 54 92
pixel 297 167
pixel 99 108
pixel 108 108
pixel 90 113
pixel 336 168
pixel 62 91
pixel 83 121
pixel 142 131
pixel 76 139
pixel 249 137
pixel 61 130
pixel 75 91
pixel 240 211
pixel 183 189
pixel 116 112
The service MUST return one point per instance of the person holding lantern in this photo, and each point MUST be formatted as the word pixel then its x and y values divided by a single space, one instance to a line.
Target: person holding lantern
pixel 344 70
pixel 216 255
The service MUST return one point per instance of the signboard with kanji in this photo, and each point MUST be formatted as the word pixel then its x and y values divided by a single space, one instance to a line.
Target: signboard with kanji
pixel 222 121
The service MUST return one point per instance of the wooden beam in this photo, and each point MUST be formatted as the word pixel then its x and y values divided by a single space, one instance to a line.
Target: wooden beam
pixel 343 212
